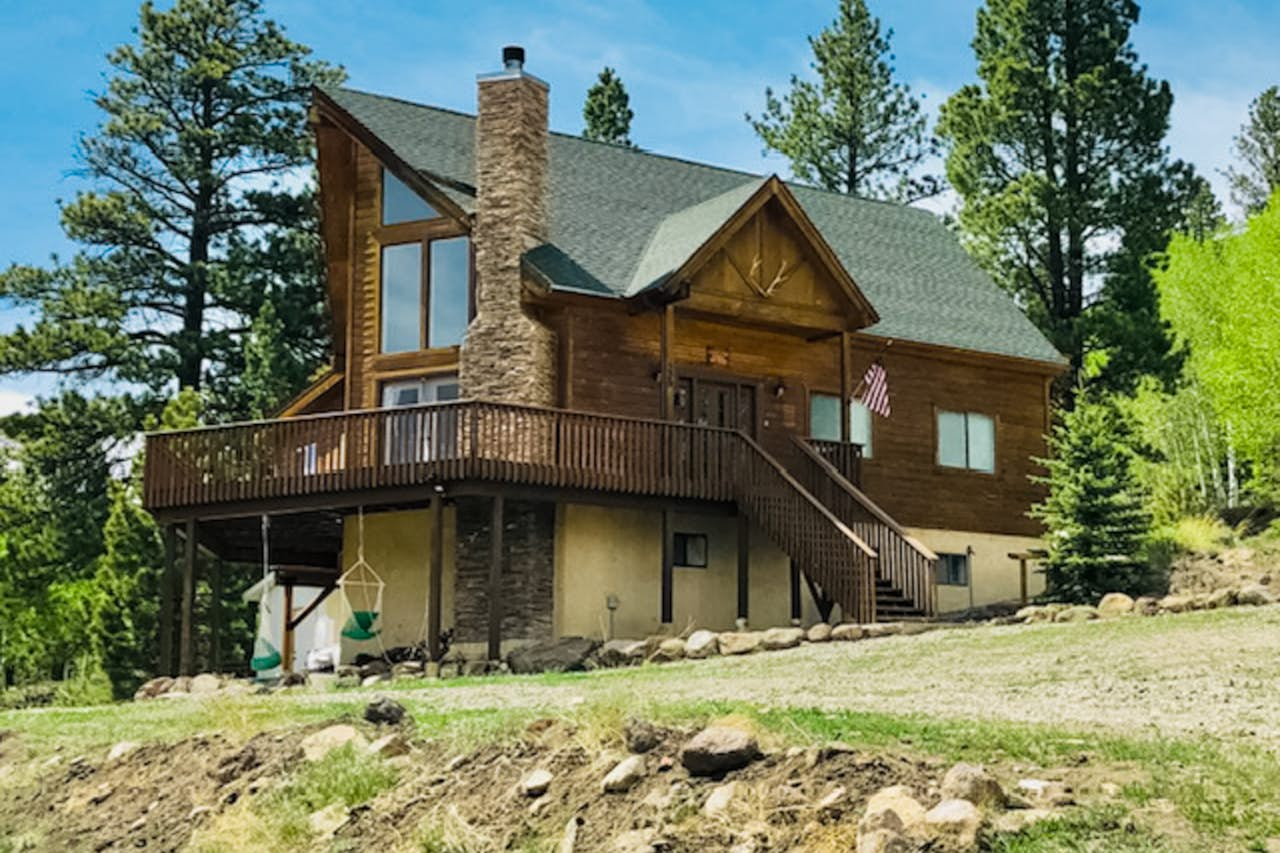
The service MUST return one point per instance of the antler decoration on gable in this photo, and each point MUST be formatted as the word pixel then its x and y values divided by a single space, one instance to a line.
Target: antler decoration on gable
pixel 755 280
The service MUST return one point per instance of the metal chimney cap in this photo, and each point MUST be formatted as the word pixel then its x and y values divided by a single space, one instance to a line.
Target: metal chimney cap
pixel 513 57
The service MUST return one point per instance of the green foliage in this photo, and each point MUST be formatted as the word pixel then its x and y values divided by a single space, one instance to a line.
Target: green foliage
pixel 1094 514
pixel 1199 534
pixel 346 775
pixel 855 129
pixel 607 111
pixel 1219 295
pixel 128 576
pixel 1058 156
pixel 1258 148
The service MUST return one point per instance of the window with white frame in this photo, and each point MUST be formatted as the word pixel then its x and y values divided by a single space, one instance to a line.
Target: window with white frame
pixel 420 435
pixel 967 440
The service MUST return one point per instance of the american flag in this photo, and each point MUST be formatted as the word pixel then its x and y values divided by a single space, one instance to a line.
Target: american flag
pixel 875 389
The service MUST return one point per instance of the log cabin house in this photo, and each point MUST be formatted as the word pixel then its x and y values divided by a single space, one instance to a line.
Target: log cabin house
pixel 583 389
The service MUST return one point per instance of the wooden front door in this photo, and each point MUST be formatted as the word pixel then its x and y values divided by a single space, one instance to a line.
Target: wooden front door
pixel 715 402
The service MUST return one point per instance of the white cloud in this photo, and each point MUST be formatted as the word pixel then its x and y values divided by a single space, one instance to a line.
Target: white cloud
pixel 14 401
pixel 1203 126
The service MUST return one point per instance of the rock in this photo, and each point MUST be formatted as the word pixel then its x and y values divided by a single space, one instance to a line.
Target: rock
pixel 181 684
pixel 718 749
pixel 1225 597
pixel 347 671
pixel 641 736
pixel 1009 823
pixel 701 644
pixel 407 669
pixel 881 629
pixel 372 680
pixel 121 749
pixel 1078 613
pixel 625 774
pixel 1115 604
pixel 384 712
pixel 204 684
pixel 390 746
pixel 328 820
pixel 720 800
pixel 885 841
pixel 1146 606
pixel 153 688
pixel 568 654
pixel 634 841
pixel 819 633
pixel 536 783
pixel 1044 793
pixel 1175 604
pixel 377 666
pixel 832 802
pixel 198 812
pixel 846 632
pixel 669 649
pixel 739 642
pixel 1255 595
pixel 475 668
pixel 317 745
pixel 621 653
pixel 569 838
pixel 782 638
pixel 893 809
pixel 972 782
pixel 956 822
pixel 1032 613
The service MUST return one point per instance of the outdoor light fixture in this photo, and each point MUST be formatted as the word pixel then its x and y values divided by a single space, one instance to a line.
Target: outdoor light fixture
pixel 611 602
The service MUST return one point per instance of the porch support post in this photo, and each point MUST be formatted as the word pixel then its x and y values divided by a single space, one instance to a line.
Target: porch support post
pixel 666 341
pixel 168 600
pixel 215 616
pixel 435 577
pixel 287 652
pixel 797 606
pixel 496 525
pixel 744 561
pixel 186 646
pixel 844 387
pixel 668 579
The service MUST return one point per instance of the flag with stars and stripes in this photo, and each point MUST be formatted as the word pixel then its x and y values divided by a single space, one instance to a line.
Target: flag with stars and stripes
pixel 875 389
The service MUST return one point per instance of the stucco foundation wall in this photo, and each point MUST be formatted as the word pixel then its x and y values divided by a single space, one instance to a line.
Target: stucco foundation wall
pixel 604 551
pixel 398 547
pixel 993 577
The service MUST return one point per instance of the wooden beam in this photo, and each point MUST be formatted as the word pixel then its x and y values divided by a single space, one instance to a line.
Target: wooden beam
pixel 186 646
pixel 435 576
pixel 668 575
pixel 325 592
pixel 797 606
pixel 744 565
pixel 168 600
pixel 496 527
pixel 287 652
pixel 844 387
pixel 215 616
pixel 665 343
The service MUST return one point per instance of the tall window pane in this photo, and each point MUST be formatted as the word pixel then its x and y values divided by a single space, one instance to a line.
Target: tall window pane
pixel 824 417
pixel 450 278
pixel 401 204
pixel 402 297
pixel 951 439
pixel 860 426
pixel 982 443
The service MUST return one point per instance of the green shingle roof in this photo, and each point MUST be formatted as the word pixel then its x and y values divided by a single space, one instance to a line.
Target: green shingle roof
pixel 622 219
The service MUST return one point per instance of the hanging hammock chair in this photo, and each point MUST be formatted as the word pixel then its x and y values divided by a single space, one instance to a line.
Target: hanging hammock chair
pixel 361 593
pixel 266 656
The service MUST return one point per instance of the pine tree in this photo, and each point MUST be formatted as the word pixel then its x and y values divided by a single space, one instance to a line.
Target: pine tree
pixel 128 578
pixel 1095 516
pixel 855 130
pixel 1258 147
pixel 1058 154
pixel 204 129
pixel 607 111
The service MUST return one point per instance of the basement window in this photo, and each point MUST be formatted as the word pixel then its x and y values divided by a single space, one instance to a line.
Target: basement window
pixel 953 569
pixel 690 550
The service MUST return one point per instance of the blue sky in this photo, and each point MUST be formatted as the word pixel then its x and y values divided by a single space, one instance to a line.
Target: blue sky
pixel 693 70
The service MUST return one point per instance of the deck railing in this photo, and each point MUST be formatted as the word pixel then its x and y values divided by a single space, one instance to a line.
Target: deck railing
pixel 844 456
pixel 903 561
pixel 204 468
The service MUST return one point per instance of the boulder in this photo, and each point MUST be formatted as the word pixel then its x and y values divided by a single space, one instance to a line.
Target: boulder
pixel 372 680
pixel 1032 613
pixel 1225 597
pixel 739 642
pixel 972 782
pixel 1175 604
pixel 881 629
pixel 641 736
pixel 670 649
pixel 718 749
pixel 204 684
pixel 720 800
pixel 390 746
pixel 384 712
pixel 819 633
pixel 621 653
pixel 893 809
pixel 407 669
pixel 377 666
pixel 1146 606
pixel 624 775
pixel 1078 613
pixel 955 823
pixel 568 654
pixel 1255 595
pixel 782 638
pixel 847 632
pixel 153 688
pixel 317 745
pixel 1115 604
pixel 701 644
pixel 536 783
pixel 1045 793
pixel 181 684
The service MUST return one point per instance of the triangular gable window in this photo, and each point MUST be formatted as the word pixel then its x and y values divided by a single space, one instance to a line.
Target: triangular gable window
pixel 401 204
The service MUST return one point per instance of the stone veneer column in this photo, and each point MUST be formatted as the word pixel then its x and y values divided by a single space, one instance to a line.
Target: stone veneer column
pixel 508 356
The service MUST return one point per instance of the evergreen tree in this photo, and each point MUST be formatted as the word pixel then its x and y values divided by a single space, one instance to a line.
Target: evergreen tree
pixel 1094 514
pixel 1258 147
pixel 128 577
pixel 855 130
pixel 1059 158
pixel 607 110
pixel 204 130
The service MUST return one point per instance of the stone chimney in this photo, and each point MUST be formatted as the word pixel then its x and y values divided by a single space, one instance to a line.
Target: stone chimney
pixel 508 356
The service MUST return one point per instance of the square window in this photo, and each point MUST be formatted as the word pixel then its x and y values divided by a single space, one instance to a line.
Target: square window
pixel 967 440
pixel 953 569
pixel 690 550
